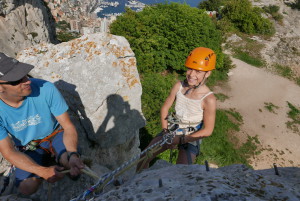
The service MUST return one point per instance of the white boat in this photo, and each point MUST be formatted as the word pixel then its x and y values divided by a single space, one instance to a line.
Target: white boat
pixel 97 10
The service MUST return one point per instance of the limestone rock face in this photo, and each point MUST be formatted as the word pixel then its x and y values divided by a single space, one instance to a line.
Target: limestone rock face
pixel 234 183
pixel 98 77
pixel 164 181
pixel 24 23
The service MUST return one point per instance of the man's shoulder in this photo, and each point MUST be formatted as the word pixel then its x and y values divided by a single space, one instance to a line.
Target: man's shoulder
pixel 40 83
pixel 41 87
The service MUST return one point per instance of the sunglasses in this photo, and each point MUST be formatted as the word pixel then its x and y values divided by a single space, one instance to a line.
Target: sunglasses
pixel 13 83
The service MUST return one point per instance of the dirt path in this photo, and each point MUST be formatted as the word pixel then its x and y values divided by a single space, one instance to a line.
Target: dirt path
pixel 248 89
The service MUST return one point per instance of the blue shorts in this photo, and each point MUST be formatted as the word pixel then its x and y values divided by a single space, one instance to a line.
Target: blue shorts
pixel 42 157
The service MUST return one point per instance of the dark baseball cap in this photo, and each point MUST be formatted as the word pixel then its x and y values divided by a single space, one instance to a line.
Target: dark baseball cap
pixel 11 69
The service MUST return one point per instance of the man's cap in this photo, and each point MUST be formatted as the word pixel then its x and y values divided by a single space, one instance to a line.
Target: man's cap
pixel 11 69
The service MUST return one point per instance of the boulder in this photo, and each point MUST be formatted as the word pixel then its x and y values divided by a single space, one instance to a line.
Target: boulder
pixel 98 77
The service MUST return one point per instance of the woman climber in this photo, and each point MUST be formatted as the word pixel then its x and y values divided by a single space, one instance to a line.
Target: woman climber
pixel 195 108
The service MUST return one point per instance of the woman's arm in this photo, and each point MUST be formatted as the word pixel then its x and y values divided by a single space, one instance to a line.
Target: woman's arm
pixel 167 105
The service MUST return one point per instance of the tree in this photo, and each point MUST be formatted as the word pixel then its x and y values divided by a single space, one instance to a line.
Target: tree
pixel 211 5
pixel 163 35
pixel 246 18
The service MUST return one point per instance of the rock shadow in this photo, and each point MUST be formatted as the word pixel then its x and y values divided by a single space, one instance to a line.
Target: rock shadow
pixel 121 123
pixel 77 108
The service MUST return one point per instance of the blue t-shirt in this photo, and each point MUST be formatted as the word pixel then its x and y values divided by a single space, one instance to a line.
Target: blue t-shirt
pixel 35 118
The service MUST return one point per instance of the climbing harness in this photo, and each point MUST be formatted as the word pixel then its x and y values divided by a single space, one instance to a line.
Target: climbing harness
pixel 184 131
pixel 34 144
pixel 31 146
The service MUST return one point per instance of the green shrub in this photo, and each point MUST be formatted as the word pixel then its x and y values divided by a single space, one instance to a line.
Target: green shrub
pixel 273 11
pixel 246 18
pixel 66 36
pixel 211 5
pixel 163 35
pixel 226 26
pixel 63 25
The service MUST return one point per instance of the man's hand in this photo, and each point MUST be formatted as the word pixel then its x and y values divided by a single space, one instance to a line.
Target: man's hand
pixel 52 174
pixel 75 165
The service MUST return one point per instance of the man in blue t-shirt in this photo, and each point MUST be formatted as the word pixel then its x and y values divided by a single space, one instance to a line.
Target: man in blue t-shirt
pixel 34 118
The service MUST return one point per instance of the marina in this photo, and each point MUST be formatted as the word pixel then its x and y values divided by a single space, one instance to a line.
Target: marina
pixel 110 8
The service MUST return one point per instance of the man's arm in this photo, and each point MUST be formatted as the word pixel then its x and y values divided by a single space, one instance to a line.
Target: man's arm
pixel 70 140
pixel 24 162
pixel 70 133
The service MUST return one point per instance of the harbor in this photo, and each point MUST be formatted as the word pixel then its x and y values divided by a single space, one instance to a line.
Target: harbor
pixel 109 8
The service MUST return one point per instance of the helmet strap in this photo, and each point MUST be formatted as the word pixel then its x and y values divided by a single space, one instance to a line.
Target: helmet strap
pixel 196 86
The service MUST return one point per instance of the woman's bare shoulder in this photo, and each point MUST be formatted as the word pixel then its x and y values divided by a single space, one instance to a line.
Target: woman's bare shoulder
pixel 210 98
pixel 177 85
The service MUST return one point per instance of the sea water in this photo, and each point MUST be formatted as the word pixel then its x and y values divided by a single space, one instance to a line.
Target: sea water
pixel 121 7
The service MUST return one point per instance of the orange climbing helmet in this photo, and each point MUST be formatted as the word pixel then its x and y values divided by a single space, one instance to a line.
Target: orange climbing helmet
pixel 201 58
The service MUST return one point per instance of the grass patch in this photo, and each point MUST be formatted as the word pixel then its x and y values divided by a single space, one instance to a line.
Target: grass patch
pixel 270 107
pixel 284 71
pixel 221 97
pixel 248 49
pixel 294 115
pixel 237 116
pixel 244 56
pixel 218 148
pixel 298 81
pixel 249 148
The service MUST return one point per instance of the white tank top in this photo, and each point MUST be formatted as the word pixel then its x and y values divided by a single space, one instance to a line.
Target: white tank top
pixel 189 111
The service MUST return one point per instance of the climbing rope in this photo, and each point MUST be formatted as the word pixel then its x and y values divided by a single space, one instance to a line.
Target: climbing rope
pixel 108 178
